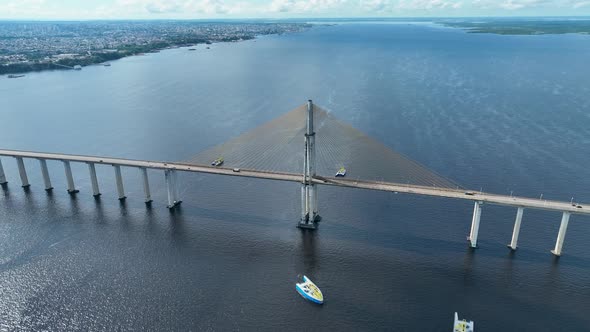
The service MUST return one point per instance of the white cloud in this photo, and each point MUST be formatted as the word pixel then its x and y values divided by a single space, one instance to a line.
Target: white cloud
pixel 45 9
pixel 22 6
pixel 303 6
pixel 375 5
pixel 512 5
pixel 428 4
pixel 516 4
pixel 409 5
pixel 581 4
pixel 173 6
pixel 160 7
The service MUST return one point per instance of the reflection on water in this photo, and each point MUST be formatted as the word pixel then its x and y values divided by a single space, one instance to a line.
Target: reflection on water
pixel 309 252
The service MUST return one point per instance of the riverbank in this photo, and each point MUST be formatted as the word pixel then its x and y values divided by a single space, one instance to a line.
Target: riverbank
pixel 99 57
pixel 40 46
pixel 522 26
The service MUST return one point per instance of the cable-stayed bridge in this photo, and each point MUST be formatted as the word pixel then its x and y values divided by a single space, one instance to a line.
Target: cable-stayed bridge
pixel 307 145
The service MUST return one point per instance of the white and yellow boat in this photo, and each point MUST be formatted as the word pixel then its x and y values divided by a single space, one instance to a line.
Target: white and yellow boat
pixel 462 325
pixel 310 291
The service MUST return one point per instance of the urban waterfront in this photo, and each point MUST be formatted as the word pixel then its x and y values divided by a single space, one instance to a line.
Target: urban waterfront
pixel 36 46
pixel 501 113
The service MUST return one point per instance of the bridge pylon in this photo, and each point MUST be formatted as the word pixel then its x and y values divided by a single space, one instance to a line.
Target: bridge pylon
pixel 309 192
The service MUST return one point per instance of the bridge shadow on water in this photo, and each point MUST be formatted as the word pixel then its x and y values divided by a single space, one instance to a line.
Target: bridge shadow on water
pixel 222 215
pixel 178 221
pixel 424 245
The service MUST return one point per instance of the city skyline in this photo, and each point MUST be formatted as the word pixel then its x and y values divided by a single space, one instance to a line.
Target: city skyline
pixel 228 9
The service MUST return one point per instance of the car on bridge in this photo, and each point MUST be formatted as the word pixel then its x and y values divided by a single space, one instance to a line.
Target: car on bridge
pixel 217 162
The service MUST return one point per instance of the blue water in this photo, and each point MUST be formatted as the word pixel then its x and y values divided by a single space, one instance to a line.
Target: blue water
pixel 498 113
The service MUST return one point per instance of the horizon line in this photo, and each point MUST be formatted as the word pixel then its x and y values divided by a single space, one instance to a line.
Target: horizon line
pixel 290 18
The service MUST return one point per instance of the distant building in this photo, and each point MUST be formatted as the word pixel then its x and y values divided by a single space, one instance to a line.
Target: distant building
pixel 65 56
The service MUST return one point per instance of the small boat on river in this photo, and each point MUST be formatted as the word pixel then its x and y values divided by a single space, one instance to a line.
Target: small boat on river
pixel 462 325
pixel 310 291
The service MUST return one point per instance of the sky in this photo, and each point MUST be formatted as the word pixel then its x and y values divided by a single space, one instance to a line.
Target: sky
pixel 217 9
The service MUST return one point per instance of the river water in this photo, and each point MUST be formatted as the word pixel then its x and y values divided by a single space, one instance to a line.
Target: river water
pixel 498 113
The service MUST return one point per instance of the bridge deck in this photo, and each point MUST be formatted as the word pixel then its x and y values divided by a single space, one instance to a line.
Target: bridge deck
pixel 531 203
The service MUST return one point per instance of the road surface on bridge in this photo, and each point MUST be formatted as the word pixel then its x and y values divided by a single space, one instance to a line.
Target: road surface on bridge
pixel 531 203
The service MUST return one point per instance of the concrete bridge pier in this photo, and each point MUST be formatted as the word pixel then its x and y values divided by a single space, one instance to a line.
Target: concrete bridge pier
pixel 313 206
pixel 316 210
pixel 146 185
pixel 22 172
pixel 93 180
pixel 303 203
pixel 2 174
pixel 70 179
pixel 45 173
pixel 311 200
pixel 561 235
pixel 177 199
pixel 171 188
pixel 516 230
pixel 475 225
pixel 120 187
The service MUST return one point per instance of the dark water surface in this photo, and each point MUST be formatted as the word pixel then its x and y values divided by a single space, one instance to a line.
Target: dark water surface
pixel 506 113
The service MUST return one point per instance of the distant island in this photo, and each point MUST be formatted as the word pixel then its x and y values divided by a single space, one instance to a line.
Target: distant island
pixel 523 26
pixel 37 46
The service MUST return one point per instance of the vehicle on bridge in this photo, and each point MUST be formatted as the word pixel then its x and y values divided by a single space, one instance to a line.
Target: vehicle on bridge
pixel 217 162
pixel 341 172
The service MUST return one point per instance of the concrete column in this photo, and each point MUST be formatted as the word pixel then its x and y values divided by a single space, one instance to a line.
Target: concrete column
pixel 169 188
pixel 22 172
pixel 310 197
pixel 119 178
pixel 173 186
pixel 45 172
pixel 311 142
pixel 561 236
pixel 305 160
pixel 68 169
pixel 303 204
pixel 309 118
pixel 475 225
pixel 146 185
pixel 177 199
pixel 516 231
pixel 93 180
pixel 315 199
pixel 2 175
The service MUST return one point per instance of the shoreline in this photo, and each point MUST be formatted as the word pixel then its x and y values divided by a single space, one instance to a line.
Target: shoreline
pixel 511 27
pixel 103 57
pixel 98 58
